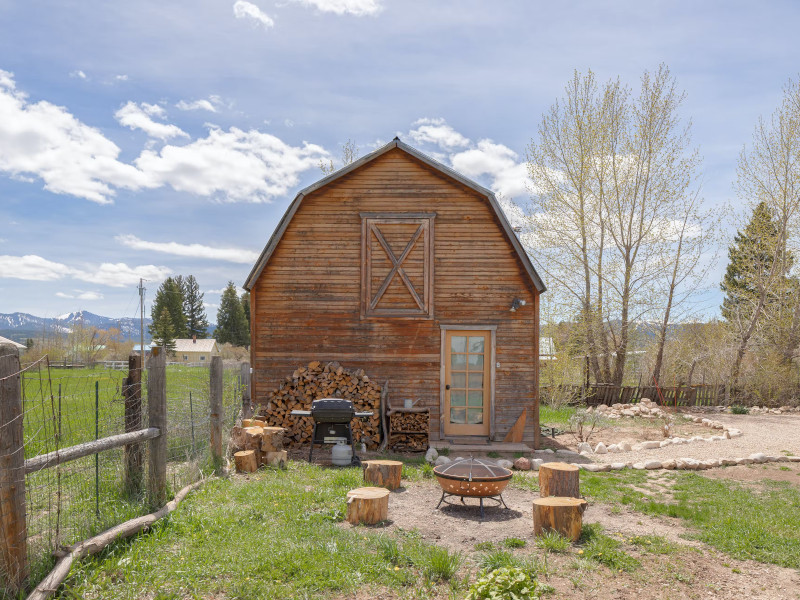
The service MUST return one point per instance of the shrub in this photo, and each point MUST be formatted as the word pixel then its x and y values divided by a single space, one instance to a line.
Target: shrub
pixel 584 423
pixel 503 583
pixel 738 409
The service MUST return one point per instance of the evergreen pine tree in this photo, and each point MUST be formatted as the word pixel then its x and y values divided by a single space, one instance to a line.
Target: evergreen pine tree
pixel 170 296
pixel 162 331
pixel 232 324
pixel 246 307
pixel 196 321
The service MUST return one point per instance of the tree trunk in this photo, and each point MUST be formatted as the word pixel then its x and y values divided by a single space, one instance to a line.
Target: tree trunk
pixel 246 461
pixel 367 505
pixel 563 515
pixel 559 479
pixel 383 473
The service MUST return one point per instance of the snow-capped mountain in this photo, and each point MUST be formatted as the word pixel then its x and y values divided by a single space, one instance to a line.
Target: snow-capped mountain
pixel 20 326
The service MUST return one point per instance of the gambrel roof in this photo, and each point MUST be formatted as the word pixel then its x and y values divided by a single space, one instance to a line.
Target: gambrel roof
pixel 445 170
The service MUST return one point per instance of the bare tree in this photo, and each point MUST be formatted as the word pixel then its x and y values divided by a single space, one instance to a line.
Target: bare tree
pixel 350 153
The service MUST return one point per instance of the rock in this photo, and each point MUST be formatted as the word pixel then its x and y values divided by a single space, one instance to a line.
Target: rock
pixel 604 468
pixel 697 419
pixel 624 446
pixel 522 464
pixel 669 464
pixel 665 443
pixel 690 464
pixel 584 447
pixel 614 448
pixel 618 466
pixel 506 464
pixel 711 463
pixel 536 463
pixel 727 435
pixel 638 466
pixel 728 462
pixel 758 457
pixel 590 467
pixel 651 445
pixel 716 438
pixel 688 417
pixel 652 464
pixel 735 432
pixel 744 461
pixel 546 450
pixel 442 460
pixel 793 458
pixel 679 440
pixel 627 413
pixel 587 454
pixel 431 455
pixel 637 447
pixel 600 449
pixel 567 453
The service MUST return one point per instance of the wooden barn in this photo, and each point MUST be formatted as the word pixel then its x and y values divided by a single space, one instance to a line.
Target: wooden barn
pixel 400 266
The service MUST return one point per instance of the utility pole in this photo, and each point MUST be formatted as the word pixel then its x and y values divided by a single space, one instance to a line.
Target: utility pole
pixel 141 320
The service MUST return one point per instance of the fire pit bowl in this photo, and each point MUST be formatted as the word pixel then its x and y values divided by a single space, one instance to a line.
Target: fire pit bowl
pixel 472 478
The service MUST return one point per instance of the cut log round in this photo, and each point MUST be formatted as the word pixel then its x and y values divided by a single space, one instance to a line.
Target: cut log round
pixel 272 439
pixel 246 461
pixel 559 479
pixel 367 505
pixel 276 459
pixel 383 473
pixel 554 513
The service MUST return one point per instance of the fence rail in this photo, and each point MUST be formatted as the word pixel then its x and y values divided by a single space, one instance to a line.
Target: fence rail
pixel 593 395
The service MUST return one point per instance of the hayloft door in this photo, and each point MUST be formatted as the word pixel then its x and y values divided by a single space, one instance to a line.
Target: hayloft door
pixel 467 372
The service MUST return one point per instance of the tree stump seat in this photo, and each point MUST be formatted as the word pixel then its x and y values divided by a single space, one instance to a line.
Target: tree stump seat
pixel 557 513
pixel 383 473
pixel 367 505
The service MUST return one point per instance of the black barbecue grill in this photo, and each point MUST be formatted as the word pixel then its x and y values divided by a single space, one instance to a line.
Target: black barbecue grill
pixel 332 422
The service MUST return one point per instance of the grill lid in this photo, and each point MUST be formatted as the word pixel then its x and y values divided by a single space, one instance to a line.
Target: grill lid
pixel 332 404
pixel 473 469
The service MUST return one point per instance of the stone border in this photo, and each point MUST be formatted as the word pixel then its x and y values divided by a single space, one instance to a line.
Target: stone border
pixel 681 464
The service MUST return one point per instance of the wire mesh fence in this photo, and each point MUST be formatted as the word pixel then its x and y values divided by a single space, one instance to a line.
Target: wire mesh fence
pixel 70 501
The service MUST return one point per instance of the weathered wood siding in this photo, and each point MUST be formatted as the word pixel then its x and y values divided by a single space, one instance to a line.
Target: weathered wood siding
pixel 306 302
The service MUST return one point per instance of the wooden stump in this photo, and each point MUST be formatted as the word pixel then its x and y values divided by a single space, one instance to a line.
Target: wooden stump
pixel 559 479
pixel 272 439
pixel 554 513
pixel 246 461
pixel 275 459
pixel 383 473
pixel 368 505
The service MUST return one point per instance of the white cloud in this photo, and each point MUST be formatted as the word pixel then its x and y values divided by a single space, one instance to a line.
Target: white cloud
pixel 139 117
pixel 238 165
pixel 36 268
pixel 45 140
pixel 79 295
pixel 359 8
pixel 219 291
pixel 235 255
pixel 121 77
pixel 199 104
pixel 510 177
pixel 436 131
pixel 248 10
pixel 79 74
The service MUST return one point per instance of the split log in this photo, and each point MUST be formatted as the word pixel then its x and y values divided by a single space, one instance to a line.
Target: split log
pixel 409 428
pixel 247 422
pixel 367 505
pixel 257 423
pixel 559 479
pixel 48 586
pixel 246 461
pixel 276 459
pixel 554 513
pixel 272 439
pixel 383 473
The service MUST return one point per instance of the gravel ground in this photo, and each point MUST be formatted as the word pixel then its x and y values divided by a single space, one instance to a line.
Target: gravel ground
pixel 771 434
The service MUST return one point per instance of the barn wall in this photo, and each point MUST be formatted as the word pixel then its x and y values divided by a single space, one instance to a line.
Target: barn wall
pixel 306 302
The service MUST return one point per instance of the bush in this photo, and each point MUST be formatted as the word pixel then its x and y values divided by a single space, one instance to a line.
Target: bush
pixel 504 583
pixel 584 423
pixel 737 409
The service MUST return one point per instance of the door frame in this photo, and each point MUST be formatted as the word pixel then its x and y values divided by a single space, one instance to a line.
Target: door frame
pixel 467 327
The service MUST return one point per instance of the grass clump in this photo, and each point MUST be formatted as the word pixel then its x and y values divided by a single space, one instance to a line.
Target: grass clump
pixel 497 559
pixel 438 564
pixel 514 542
pixel 606 550
pixel 654 544
pixel 502 583
pixel 552 541
pixel 737 409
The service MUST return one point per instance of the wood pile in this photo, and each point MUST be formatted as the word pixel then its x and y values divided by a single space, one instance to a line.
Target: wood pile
pixel 254 444
pixel 408 428
pixel 317 381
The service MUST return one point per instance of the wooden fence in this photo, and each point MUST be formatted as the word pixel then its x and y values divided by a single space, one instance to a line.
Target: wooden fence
pixel 695 395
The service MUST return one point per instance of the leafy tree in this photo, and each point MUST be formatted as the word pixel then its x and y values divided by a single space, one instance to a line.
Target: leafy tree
pixel 196 321
pixel 163 331
pixel 169 296
pixel 232 324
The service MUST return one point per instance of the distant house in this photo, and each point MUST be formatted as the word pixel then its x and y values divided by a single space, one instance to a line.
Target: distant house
pixel 138 349
pixel 195 351
pixel 20 347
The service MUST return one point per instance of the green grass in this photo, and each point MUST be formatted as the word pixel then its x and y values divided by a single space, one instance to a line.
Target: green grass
pixel 606 550
pixel 552 541
pixel 514 542
pixel 274 535
pixel 760 523
pixel 555 416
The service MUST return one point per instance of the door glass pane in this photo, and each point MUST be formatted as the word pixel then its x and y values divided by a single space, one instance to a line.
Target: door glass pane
pixel 458 415
pixel 458 343
pixel 458 398
pixel 475 360
pixel 460 380
pixel 476 381
pixel 475 417
pixel 458 361
pixel 476 344
pixel 476 398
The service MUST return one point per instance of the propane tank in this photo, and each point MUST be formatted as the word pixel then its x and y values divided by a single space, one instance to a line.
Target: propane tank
pixel 341 454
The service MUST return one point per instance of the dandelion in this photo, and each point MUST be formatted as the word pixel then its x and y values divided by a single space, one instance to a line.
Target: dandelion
pixel 397 568
pixel 580 551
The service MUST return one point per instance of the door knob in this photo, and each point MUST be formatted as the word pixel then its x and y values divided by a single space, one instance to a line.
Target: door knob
pixel 447 387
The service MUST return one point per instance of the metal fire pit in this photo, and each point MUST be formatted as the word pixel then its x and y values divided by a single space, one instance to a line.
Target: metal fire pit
pixel 472 478
pixel 332 422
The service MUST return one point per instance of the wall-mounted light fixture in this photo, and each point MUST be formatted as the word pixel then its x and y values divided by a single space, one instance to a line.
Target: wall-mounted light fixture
pixel 516 303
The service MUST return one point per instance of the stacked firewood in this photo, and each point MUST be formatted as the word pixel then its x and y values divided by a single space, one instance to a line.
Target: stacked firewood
pixel 317 381
pixel 409 429
pixel 254 444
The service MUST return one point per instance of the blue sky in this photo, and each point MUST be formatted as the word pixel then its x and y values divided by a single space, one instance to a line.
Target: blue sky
pixel 154 138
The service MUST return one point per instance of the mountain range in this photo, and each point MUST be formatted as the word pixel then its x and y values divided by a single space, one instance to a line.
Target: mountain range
pixel 21 326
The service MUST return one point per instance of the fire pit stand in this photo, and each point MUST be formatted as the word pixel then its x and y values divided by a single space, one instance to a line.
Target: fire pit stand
pixel 472 478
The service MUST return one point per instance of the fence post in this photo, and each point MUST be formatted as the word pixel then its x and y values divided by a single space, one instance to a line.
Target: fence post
pixel 244 378
pixel 215 398
pixel 13 528
pixel 157 417
pixel 132 392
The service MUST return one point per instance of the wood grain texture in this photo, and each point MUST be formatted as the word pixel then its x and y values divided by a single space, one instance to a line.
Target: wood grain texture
pixel 563 515
pixel 307 303
pixel 559 479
